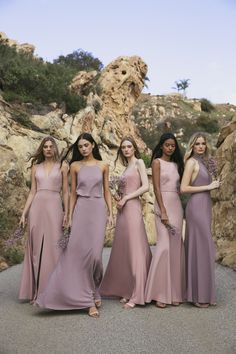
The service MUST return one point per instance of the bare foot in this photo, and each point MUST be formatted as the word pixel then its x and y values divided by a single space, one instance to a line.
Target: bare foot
pixel 98 303
pixel 175 303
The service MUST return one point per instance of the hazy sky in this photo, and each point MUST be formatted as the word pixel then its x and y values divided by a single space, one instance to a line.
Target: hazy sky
pixel 178 39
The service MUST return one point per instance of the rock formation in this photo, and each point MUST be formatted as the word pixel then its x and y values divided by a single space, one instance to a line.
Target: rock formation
pixel 24 47
pixel 224 209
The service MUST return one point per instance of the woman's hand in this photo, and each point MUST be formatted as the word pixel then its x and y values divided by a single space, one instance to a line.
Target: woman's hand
pixel 164 218
pixel 23 221
pixel 65 221
pixel 110 221
pixel 214 185
pixel 121 203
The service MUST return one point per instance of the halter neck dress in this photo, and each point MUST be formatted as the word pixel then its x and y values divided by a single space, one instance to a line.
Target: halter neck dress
pixel 166 277
pixel 75 281
pixel 130 258
pixel 199 245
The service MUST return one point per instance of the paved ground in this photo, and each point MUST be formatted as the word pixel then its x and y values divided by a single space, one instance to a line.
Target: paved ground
pixel 27 330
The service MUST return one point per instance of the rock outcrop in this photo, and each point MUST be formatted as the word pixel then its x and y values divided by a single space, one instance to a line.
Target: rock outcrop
pixel 24 47
pixel 224 209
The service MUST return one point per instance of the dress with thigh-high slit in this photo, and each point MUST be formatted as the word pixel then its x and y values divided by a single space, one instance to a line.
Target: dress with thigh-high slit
pixel 44 229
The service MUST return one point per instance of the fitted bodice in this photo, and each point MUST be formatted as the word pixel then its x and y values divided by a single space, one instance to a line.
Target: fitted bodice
pixel 52 182
pixel 90 181
pixel 203 176
pixel 132 180
pixel 169 176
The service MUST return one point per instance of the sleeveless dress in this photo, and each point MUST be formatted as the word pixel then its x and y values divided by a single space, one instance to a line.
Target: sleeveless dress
pixel 200 250
pixel 130 258
pixel 166 277
pixel 75 281
pixel 44 229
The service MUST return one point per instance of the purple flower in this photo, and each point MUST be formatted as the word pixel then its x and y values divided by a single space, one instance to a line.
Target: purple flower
pixel 64 239
pixel 17 235
pixel 171 229
pixel 117 185
pixel 212 167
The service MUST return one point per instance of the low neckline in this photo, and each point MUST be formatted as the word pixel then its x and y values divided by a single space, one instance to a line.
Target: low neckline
pixel 44 170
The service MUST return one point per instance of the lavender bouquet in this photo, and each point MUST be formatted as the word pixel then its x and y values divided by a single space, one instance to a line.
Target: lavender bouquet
pixel 64 239
pixel 117 186
pixel 171 229
pixel 212 167
pixel 17 236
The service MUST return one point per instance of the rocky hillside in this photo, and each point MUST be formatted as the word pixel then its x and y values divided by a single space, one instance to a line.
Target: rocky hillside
pixel 118 109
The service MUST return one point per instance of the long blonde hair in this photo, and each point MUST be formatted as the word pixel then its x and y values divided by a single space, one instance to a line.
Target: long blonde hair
pixel 192 141
pixel 38 156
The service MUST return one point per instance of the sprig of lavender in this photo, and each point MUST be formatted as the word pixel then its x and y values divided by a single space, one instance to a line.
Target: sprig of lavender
pixel 171 229
pixel 64 239
pixel 212 167
pixel 117 185
pixel 17 235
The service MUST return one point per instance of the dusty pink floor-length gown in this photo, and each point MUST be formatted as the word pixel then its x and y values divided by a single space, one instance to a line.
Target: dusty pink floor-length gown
pixel 130 258
pixel 166 278
pixel 200 248
pixel 44 229
pixel 75 281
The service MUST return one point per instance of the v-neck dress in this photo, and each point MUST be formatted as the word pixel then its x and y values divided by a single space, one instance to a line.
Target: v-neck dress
pixel 44 229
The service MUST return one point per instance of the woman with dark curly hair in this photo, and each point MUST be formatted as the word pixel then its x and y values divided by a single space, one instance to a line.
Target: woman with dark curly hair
pixel 166 280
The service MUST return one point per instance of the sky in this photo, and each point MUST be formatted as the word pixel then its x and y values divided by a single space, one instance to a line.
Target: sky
pixel 177 39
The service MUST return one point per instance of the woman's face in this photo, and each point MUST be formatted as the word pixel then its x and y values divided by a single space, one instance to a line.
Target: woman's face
pixel 85 147
pixel 168 147
pixel 48 149
pixel 127 149
pixel 199 146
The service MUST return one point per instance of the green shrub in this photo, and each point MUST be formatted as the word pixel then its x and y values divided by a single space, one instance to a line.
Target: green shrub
pixel 146 159
pixel 207 124
pixel 206 105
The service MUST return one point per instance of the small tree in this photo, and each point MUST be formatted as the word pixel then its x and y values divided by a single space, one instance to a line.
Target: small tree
pixel 182 85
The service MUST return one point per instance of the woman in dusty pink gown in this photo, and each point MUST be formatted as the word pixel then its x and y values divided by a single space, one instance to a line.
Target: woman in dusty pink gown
pixel 166 280
pixel 126 273
pixel 44 212
pixel 200 249
pixel 74 284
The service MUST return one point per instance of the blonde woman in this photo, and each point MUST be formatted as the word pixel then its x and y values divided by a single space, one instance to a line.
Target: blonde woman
pixel 199 244
pixel 44 212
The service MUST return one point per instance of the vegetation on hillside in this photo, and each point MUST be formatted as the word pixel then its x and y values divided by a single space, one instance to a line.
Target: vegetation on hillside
pixel 24 78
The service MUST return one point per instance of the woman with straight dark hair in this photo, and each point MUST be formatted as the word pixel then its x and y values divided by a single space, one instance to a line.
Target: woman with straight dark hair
pixel 126 273
pixel 44 212
pixel 166 280
pixel 200 249
pixel 75 282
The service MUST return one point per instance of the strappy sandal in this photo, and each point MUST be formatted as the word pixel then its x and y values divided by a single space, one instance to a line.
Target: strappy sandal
pixel 161 305
pixel 93 312
pixel 129 305
pixel 123 300
pixel 98 303
pixel 200 305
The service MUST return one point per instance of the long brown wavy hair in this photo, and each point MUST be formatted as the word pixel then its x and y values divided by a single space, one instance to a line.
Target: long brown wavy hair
pixel 120 155
pixel 38 156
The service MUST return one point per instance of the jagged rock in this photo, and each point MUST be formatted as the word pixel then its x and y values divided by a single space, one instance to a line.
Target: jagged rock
pixel 224 220
pixel 81 80
pixel 24 47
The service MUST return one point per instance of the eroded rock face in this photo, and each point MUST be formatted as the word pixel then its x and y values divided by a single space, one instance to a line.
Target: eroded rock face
pixel 224 209
pixel 24 47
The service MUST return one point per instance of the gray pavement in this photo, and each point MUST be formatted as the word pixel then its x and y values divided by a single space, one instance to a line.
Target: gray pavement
pixel 25 329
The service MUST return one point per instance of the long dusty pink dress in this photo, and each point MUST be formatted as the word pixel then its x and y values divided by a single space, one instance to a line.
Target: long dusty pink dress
pixel 75 281
pixel 44 229
pixel 130 258
pixel 200 250
pixel 166 278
